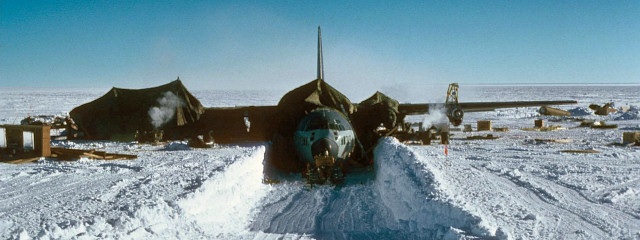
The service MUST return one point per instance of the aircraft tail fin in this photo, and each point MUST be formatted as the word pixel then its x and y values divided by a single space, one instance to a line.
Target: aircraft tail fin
pixel 320 66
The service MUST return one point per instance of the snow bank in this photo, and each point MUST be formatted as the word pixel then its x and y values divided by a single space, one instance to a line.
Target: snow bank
pixel 224 206
pixel 221 207
pixel 148 222
pixel 159 220
pixel 632 114
pixel 581 111
pixel 414 193
pixel 176 146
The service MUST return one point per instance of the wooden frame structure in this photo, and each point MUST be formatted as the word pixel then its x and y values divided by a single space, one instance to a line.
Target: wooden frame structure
pixel 14 135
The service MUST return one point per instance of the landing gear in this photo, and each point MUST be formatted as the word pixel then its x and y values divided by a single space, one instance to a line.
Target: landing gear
pixel 319 175
pixel 337 176
pixel 323 168
pixel 313 176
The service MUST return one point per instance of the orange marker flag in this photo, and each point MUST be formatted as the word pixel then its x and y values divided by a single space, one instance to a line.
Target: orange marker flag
pixel 446 159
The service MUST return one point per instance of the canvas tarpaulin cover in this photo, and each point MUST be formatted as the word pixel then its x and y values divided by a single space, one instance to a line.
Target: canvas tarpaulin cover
pixel 373 111
pixel 379 98
pixel 292 107
pixel 317 93
pixel 379 107
pixel 169 107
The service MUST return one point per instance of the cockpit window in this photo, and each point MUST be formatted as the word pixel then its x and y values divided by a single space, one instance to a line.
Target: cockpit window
pixel 322 123
pixel 316 123
pixel 324 119
pixel 335 125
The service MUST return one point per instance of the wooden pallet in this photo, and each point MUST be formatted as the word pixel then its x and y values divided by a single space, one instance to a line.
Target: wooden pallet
pixel 554 140
pixel 580 151
pixel 503 129
pixel 488 137
pixel 21 160
pixel 544 129
pixel 67 154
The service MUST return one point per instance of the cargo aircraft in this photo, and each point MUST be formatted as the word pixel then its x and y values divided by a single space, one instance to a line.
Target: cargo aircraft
pixel 314 129
pixel 326 136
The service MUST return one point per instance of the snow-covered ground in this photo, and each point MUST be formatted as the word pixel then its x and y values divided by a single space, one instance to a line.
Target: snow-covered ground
pixel 509 188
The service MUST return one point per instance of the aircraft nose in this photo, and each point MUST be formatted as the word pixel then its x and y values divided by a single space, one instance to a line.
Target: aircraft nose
pixel 319 147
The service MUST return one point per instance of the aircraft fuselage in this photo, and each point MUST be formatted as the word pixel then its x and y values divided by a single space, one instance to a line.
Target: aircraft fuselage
pixel 324 138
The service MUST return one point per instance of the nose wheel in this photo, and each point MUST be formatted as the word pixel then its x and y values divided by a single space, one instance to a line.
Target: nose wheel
pixel 337 176
pixel 320 175
pixel 313 176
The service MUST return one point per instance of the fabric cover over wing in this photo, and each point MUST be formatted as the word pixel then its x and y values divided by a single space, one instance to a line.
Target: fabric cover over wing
pixel 373 111
pixel 380 107
pixel 239 124
pixel 124 111
pixel 380 98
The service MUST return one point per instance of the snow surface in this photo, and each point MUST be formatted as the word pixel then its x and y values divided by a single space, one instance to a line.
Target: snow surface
pixel 510 188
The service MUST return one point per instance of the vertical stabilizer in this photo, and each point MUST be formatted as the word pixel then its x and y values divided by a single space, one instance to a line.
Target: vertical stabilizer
pixel 320 66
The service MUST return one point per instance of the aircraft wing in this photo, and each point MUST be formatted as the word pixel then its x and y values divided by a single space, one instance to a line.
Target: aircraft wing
pixel 254 123
pixel 490 106
pixel 416 109
pixel 237 124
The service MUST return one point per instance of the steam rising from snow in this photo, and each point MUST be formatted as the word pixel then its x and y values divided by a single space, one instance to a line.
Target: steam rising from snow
pixel 160 115
pixel 437 117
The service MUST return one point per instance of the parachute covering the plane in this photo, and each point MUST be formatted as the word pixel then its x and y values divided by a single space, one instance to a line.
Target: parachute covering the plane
pixel 122 112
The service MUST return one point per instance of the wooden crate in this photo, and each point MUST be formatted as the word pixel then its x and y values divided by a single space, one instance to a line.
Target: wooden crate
pixel 484 125
pixel 502 129
pixel 630 137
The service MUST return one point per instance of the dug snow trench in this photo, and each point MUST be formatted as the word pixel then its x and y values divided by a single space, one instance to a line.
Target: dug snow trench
pixel 405 199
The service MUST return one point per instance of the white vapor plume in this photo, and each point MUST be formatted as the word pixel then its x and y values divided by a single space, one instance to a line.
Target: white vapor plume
pixel 437 117
pixel 168 104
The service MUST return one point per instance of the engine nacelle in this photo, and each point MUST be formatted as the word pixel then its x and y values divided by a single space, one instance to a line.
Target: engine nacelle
pixel 455 114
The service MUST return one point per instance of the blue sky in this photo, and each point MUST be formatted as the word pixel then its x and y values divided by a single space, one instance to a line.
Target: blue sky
pixel 368 45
